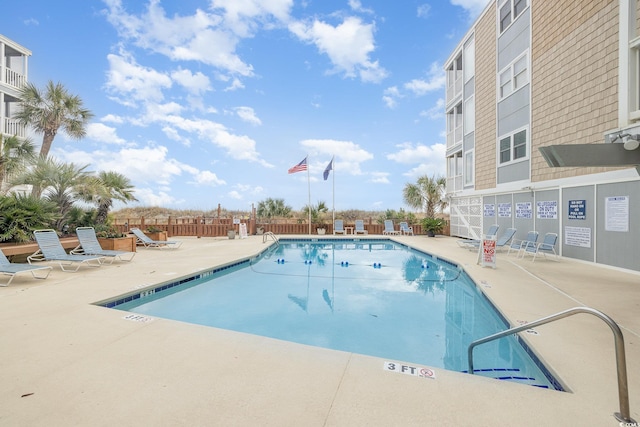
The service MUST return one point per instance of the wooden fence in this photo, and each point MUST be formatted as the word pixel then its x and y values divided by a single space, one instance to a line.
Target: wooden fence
pixel 214 227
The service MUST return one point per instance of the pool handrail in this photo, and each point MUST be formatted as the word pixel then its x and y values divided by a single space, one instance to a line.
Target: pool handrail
pixel 273 236
pixel 623 389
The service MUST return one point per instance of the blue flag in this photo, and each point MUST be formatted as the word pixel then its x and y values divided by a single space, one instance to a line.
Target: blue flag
pixel 328 169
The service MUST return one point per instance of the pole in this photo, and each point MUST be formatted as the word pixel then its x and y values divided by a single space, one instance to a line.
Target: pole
pixel 309 192
pixel 333 166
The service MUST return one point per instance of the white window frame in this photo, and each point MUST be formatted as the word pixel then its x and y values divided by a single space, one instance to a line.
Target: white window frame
pixel 469 59
pixel 469 115
pixel 510 79
pixel 512 149
pixel 511 5
pixel 469 167
pixel 634 79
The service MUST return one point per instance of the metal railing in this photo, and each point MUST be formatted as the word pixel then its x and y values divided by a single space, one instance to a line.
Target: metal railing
pixel 273 236
pixel 621 363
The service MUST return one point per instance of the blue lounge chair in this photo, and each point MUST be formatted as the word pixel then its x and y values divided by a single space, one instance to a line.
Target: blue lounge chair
pixel 51 250
pixel 12 269
pixel 405 229
pixel 492 231
pixel 147 242
pixel 389 228
pixel 518 245
pixel 89 245
pixel 360 227
pixel 338 227
pixel 547 246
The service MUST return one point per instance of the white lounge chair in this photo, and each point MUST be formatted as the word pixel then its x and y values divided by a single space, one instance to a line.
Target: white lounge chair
pixel 360 227
pixel 89 245
pixel 519 245
pixel 389 228
pixel 405 229
pixel 12 269
pixel 338 227
pixel 547 246
pixel 51 250
pixel 147 242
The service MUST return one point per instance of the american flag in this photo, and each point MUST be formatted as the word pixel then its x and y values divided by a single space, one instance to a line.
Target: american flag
pixel 302 166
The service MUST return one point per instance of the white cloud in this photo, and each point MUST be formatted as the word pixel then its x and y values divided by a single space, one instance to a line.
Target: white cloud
pixel 194 83
pixel 234 195
pixel 391 96
pixel 348 155
pixel 103 133
pixel 207 178
pixel 427 157
pixel 243 16
pixel 423 10
pixel 379 177
pixel 147 197
pixel 248 115
pixel 356 5
pixel 129 80
pixel 436 80
pixel 436 112
pixel 199 37
pixel 348 46
pixel 472 7
pixel 112 118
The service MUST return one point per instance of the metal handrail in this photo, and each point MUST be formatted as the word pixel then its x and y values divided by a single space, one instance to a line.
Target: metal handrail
pixel 273 236
pixel 621 364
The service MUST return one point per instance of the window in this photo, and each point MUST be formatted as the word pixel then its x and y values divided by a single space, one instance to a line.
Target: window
pixel 468 168
pixel 469 59
pixel 510 10
pixel 469 117
pixel 513 147
pixel 514 76
pixel 505 83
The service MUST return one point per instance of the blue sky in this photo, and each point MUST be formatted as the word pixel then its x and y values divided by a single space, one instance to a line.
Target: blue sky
pixel 201 103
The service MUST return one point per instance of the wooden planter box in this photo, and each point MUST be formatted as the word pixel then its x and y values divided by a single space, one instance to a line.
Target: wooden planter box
pixel 118 243
pixel 157 235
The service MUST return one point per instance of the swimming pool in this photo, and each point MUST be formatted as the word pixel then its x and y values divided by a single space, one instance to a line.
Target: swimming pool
pixel 373 297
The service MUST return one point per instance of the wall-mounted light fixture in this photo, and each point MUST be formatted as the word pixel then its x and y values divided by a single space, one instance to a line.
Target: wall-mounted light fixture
pixel 629 141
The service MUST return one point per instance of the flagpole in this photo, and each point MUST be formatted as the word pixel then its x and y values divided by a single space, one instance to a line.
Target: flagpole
pixel 333 166
pixel 309 192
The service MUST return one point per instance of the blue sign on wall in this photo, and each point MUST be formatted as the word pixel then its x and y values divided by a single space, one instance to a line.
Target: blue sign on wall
pixel 577 209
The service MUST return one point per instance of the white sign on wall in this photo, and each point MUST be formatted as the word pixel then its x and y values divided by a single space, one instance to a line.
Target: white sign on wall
pixel 547 209
pixel 504 210
pixel 577 236
pixel 616 213
pixel 524 210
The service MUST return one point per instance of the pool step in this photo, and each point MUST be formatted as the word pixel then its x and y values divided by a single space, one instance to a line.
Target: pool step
pixel 516 378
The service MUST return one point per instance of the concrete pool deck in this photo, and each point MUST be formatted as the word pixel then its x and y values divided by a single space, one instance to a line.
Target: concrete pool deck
pixel 67 362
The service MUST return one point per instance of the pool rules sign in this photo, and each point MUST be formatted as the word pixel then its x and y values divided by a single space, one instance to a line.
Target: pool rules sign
pixel 487 253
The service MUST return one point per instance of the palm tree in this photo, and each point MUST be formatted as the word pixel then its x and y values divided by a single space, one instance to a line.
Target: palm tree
pixel 110 186
pixel 58 182
pixel 316 212
pixel 15 155
pixel 426 194
pixel 51 111
pixel 271 208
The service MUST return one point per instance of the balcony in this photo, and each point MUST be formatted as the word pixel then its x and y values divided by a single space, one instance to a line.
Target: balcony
pixel 14 79
pixel 11 127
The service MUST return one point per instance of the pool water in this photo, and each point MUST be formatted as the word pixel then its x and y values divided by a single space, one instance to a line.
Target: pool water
pixel 372 297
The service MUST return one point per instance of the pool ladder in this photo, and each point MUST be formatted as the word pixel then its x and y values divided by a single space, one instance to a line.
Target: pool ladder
pixel 268 234
pixel 621 364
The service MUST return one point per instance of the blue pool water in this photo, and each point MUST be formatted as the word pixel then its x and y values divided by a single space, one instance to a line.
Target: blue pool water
pixel 372 297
